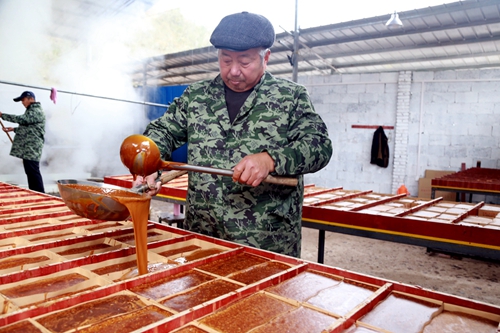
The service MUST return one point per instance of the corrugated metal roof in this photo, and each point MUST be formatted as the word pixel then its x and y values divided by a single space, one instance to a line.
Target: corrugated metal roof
pixel 464 34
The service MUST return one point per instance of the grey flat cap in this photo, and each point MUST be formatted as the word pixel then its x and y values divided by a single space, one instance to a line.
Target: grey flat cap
pixel 243 31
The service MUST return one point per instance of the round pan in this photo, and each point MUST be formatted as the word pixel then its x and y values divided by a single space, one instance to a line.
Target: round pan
pixel 93 200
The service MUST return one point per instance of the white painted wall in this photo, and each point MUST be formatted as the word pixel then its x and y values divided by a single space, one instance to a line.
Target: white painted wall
pixel 453 117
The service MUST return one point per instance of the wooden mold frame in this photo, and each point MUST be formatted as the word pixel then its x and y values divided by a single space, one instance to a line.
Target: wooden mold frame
pixel 375 202
pixel 18 205
pixel 212 302
pixel 445 212
pixel 62 266
pixel 188 246
pixel 31 224
pixel 356 201
pixel 39 223
pixel 126 181
pixel 481 221
pixel 35 300
pixel 51 259
pixel 191 315
pixel 52 236
pixel 13 192
pixel 28 200
pixel 44 208
pixel 313 195
pixel 489 211
pixel 374 289
pixel 27 247
pixel 205 308
pixel 368 202
pixel 87 248
pixel 343 200
pixel 440 308
pixel 311 189
pixel 17 215
pixel 106 226
pixel 20 326
pixel 141 301
pixel 435 306
pixel 194 325
pixel 120 275
pixel 295 305
pixel 387 287
pixel 7 306
pixel 209 307
pixel 160 235
pixel 12 243
pixel 355 317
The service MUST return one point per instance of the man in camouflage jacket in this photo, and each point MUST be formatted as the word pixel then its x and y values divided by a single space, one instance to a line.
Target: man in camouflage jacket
pixel 274 131
pixel 29 139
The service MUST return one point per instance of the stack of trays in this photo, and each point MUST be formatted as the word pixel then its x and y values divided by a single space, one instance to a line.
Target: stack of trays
pixel 476 179
pixel 82 276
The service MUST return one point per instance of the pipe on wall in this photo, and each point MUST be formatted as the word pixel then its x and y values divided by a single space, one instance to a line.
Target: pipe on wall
pixel 81 94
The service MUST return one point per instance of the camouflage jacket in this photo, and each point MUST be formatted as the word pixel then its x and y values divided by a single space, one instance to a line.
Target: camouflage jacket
pixel 277 117
pixel 30 134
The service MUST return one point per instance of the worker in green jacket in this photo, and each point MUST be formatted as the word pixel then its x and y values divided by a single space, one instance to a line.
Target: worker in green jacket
pixel 29 138
pixel 247 120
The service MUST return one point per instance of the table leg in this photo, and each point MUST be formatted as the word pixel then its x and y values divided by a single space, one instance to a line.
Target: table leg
pixel 321 246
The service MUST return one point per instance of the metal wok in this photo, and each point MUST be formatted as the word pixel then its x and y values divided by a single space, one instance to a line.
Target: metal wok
pixel 92 199
pixel 95 200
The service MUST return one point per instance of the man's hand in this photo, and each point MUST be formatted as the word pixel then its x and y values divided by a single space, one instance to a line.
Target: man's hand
pixel 153 185
pixel 253 169
pixel 8 129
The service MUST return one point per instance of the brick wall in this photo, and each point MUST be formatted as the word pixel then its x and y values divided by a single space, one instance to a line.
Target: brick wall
pixel 441 119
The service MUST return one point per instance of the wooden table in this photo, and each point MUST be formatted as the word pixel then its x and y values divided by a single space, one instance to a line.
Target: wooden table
pixel 361 213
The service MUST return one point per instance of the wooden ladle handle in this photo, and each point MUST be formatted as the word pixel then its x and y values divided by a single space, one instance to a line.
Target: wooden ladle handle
pixel 10 138
pixel 168 176
pixel 289 181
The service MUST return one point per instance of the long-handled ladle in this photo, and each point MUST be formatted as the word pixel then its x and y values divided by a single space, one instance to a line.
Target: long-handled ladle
pixel 142 157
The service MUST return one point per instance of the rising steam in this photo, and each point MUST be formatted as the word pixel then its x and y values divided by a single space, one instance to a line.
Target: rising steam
pixel 83 134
